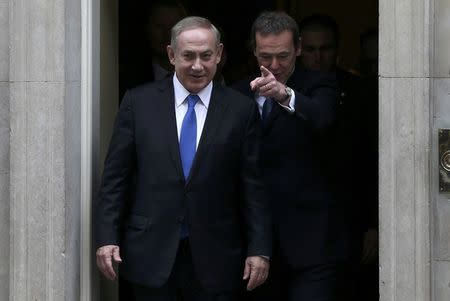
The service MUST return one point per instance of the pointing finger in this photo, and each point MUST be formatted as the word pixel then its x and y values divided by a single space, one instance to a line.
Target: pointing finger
pixel 264 71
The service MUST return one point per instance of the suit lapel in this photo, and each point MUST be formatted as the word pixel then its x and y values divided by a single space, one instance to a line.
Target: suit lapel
pixel 216 110
pixel 168 122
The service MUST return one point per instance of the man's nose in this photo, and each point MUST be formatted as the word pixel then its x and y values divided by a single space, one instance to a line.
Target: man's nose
pixel 274 64
pixel 197 65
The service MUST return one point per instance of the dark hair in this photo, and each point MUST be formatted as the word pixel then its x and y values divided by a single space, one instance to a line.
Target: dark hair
pixel 274 22
pixel 319 22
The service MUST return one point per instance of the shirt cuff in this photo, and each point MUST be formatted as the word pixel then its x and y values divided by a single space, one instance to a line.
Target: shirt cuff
pixel 264 256
pixel 291 107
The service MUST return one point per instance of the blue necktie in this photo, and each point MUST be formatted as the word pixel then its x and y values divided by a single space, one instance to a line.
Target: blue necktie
pixel 188 141
pixel 188 136
pixel 267 107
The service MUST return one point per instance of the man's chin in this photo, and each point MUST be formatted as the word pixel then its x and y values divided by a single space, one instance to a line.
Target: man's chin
pixel 196 87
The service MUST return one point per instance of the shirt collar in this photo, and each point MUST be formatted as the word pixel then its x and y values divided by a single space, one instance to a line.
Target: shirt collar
pixel 181 93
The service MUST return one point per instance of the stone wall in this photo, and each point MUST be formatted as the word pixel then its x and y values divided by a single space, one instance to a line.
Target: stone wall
pixel 405 55
pixel 440 78
pixel 4 149
pixel 44 81
pixel 40 149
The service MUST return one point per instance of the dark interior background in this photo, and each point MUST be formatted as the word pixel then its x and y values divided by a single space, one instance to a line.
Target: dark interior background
pixel 234 18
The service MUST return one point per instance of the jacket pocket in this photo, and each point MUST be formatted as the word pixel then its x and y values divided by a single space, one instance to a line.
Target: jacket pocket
pixel 138 223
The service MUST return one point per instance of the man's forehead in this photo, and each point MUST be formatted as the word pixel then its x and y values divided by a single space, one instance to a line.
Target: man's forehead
pixel 274 35
pixel 274 42
pixel 197 36
pixel 198 49
pixel 272 51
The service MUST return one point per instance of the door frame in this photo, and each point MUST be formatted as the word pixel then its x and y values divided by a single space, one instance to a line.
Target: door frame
pixel 403 225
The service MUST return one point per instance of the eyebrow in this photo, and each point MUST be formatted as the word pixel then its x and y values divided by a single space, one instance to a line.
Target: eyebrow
pixel 188 51
pixel 271 54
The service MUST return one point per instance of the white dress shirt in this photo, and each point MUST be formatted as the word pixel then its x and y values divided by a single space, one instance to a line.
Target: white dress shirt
pixel 181 106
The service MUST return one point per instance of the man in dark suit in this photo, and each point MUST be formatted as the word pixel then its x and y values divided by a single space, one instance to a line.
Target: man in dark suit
pixel 311 238
pixel 354 139
pixel 198 222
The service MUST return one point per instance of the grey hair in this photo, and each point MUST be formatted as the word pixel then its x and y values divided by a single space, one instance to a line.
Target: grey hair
pixel 190 23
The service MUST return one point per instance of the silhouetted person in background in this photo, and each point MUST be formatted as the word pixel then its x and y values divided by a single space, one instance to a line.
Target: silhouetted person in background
pixel 153 63
pixel 163 15
pixel 368 58
pixel 350 151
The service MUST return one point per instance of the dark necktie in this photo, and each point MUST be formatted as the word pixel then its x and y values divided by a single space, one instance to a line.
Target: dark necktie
pixel 267 107
pixel 188 135
pixel 188 141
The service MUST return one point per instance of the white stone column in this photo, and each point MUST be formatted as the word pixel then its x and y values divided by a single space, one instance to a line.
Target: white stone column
pixel 440 78
pixel 405 139
pixel 44 111
pixel 4 149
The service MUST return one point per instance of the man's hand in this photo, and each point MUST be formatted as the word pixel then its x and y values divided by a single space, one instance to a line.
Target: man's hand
pixel 256 270
pixel 105 257
pixel 268 86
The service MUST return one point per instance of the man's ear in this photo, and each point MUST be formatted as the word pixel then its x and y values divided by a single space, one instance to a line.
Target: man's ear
pixel 219 53
pixel 171 54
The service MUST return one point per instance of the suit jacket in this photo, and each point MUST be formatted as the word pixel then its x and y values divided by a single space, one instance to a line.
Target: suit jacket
pixel 309 220
pixel 354 137
pixel 222 201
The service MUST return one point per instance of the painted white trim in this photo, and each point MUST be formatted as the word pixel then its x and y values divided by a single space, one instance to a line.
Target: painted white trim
pixel 86 149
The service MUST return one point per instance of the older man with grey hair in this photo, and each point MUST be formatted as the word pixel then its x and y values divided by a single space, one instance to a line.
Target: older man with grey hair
pixel 198 225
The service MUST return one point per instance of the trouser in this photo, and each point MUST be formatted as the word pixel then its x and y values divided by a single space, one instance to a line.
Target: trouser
pixel 321 282
pixel 182 284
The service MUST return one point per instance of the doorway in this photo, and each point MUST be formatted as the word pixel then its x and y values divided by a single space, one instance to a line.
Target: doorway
pixel 122 50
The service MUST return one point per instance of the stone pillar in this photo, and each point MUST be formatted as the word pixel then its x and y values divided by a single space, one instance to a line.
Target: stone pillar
pixel 440 78
pixel 405 49
pixel 45 150
pixel 4 149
